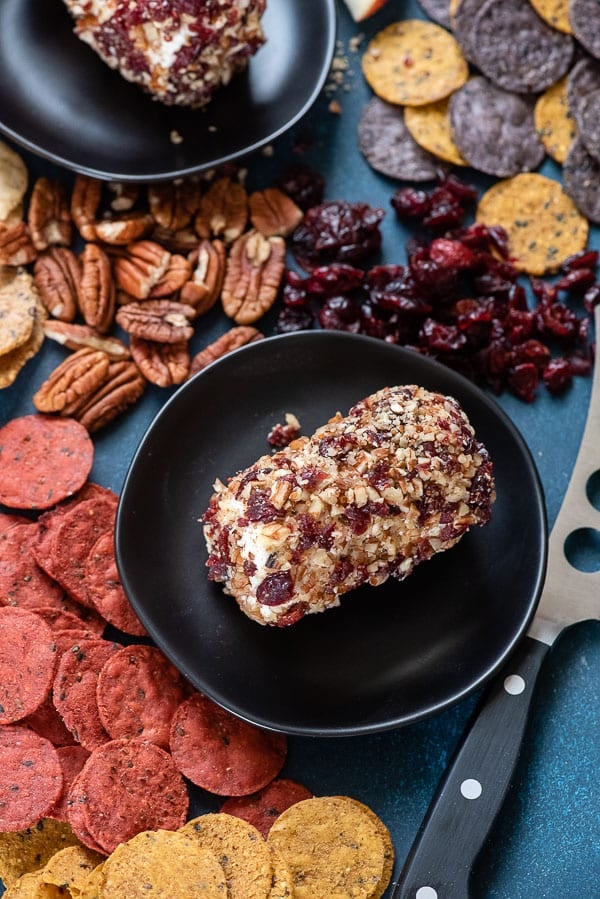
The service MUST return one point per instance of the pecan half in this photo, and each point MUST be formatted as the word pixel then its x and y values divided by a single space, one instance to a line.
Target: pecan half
pixel 163 321
pixel 183 241
pixel 174 203
pixel 48 216
pixel 274 213
pixel 123 386
pixel 85 200
pixel 97 288
pixel 141 268
pixel 208 264
pixel 163 364
pixel 231 340
pixel 252 277
pixel 75 378
pixel 124 196
pixel 57 276
pixel 16 247
pixel 174 278
pixel 223 211
pixel 76 337
pixel 125 229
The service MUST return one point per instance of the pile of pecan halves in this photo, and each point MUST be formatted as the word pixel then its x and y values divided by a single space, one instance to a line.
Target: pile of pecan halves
pixel 154 259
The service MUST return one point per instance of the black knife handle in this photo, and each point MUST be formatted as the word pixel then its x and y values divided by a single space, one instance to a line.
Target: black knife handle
pixel 474 786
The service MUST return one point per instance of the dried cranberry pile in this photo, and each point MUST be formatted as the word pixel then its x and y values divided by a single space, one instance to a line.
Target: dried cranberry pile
pixel 458 298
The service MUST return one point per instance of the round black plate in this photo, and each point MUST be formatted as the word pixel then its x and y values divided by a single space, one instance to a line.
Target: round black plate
pixel 61 101
pixel 388 655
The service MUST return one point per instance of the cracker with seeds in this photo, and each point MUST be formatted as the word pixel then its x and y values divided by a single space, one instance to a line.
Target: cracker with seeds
pixel 24 851
pixel 12 362
pixel 555 13
pixel 430 128
pixel 13 182
pixel 70 868
pixel 414 62
pixel 18 311
pixel 581 175
pixel 554 121
pixel 543 224
pixel 389 148
pixel 584 16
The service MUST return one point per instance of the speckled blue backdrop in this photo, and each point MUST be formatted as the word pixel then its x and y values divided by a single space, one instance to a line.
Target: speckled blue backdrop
pixel 546 842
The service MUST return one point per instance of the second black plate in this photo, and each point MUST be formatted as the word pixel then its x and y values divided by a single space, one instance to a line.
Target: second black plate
pixel 61 101
pixel 388 656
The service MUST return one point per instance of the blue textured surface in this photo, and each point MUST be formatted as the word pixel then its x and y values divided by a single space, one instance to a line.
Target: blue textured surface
pixel 547 840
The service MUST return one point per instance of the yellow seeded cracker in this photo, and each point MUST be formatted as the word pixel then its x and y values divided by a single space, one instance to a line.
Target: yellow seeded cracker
pixel 12 362
pixel 18 304
pixel 554 121
pixel 543 224
pixel 31 886
pixel 162 864
pixel 70 868
pixel 28 850
pixel 241 851
pixel 388 860
pixel 430 128
pixel 413 63
pixel 283 883
pixel 555 13
pixel 13 180
pixel 91 888
pixel 332 847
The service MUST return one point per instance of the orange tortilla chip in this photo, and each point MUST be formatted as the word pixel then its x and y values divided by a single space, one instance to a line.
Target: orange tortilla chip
pixel 554 121
pixel 429 126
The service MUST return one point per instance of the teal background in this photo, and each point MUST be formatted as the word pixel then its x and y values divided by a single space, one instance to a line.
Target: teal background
pixel 546 842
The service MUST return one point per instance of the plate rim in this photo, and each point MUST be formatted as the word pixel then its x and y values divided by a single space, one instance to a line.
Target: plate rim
pixel 385 723
pixel 330 10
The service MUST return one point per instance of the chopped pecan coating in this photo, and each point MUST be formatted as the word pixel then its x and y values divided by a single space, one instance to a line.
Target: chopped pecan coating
pixel 273 213
pixel 57 276
pixel 163 364
pixel 254 270
pixel 97 288
pixel 163 321
pixel 203 288
pixel 231 340
pixel 223 211
pixel 74 379
pixel 48 217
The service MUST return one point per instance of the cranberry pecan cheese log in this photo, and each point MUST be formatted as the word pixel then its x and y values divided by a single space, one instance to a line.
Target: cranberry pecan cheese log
pixel 369 495
pixel 180 51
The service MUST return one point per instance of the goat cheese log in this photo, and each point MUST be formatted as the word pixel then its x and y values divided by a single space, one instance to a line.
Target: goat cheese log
pixel 400 478
pixel 180 51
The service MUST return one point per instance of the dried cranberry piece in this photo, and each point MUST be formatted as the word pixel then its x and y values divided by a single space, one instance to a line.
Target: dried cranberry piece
pixel 443 338
pixel 358 518
pixel 591 298
pixel 340 314
pixel 409 203
pixel 259 507
pixel 576 281
pixel 296 319
pixel 337 278
pixel 558 375
pixel 583 259
pixel 445 211
pixel 451 254
pixel 523 381
pixel 337 231
pixel 303 184
pixel 311 534
pixel 466 193
pixel 531 351
pixel 275 589
pixel 282 435
pixel 556 320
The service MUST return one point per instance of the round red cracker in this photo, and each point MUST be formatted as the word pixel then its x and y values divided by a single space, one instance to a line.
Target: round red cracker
pixel 22 582
pixel 74 691
pixel 42 460
pixel 27 663
pixel 7 520
pixel 261 808
pixel 72 759
pixel 104 588
pixel 46 722
pixel 30 778
pixel 222 753
pixel 62 619
pixel 66 544
pixel 130 786
pixel 138 693
pixel 75 804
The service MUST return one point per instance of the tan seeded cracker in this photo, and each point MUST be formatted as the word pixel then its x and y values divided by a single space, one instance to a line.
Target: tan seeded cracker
pixel 543 224
pixel 92 887
pixel 388 861
pixel 332 847
pixel 153 862
pixel 555 13
pixel 25 851
pixel 31 886
pixel 430 127
pixel 413 63
pixel 13 180
pixel 12 362
pixel 70 868
pixel 241 851
pixel 554 121
pixel 282 886
pixel 18 304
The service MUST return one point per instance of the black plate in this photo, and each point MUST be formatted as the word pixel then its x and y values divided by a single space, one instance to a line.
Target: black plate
pixel 388 656
pixel 61 101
